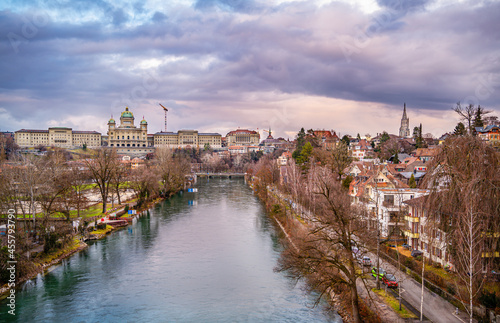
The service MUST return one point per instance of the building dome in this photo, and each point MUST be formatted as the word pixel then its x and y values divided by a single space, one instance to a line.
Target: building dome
pixel 111 120
pixel 144 121
pixel 127 114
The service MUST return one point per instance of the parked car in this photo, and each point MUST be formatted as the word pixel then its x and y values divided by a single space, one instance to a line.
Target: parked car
pixel 406 246
pixel 416 253
pixel 390 280
pixel 381 272
pixel 365 261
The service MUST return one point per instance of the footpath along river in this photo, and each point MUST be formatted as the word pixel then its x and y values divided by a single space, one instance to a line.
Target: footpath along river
pixel 197 257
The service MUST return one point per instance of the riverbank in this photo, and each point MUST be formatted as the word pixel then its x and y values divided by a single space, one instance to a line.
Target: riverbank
pixel 40 263
pixel 290 222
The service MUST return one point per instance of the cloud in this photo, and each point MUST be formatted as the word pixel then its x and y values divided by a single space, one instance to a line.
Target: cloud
pixel 235 63
pixel 119 17
pixel 247 6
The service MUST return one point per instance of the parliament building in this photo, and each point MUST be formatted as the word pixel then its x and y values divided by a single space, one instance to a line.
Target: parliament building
pixel 127 138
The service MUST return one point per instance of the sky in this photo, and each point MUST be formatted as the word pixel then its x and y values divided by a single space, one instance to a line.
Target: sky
pixel 220 65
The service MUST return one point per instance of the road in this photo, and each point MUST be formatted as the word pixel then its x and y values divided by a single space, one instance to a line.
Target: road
pixel 435 308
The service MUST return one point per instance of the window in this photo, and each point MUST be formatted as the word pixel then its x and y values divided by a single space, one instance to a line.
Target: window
pixel 389 199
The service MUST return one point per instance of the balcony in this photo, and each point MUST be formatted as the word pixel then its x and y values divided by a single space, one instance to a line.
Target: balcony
pixel 411 235
pixel 412 219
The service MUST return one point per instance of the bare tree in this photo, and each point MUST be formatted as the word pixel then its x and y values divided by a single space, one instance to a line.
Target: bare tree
pixel 491 121
pixel 78 182
pixel 325 254
pixel 102 167
pixel 468 209
pixel 144 182
pixel 55 186
pixel 72 196
pixel 171 170
pixel 118 179
pixel 466 114
pixel 337 159
pixel 470 114
pixel 28 179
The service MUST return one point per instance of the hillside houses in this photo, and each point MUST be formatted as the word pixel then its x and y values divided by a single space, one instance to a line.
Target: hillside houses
pixel 491 134
pixel 422 235
pixel 382 194
pixel 362 149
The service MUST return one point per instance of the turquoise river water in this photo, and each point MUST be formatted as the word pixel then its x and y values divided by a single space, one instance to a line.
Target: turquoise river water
pixel 197 257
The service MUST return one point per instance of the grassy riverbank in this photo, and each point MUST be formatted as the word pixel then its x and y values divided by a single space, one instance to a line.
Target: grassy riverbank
pixel 36 261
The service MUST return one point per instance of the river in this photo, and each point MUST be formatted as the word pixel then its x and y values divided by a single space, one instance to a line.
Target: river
pixel 197 257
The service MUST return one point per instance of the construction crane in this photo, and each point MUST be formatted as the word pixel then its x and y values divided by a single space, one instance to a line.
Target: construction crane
pixel 166 110
pixel 269 132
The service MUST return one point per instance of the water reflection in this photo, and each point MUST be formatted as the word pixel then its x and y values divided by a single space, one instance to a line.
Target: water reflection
pixel 207 262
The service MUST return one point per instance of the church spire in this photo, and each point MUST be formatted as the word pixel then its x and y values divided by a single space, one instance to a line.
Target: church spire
pixel 404 130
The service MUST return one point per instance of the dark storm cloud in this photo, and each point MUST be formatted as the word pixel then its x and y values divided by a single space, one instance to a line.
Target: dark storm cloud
pixel 197 54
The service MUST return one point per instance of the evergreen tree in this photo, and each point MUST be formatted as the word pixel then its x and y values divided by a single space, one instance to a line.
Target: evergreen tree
pixel 415 133
pixel 345 140
pixel 478 118
pixel 305 153
pixel 419 139
pixel 396 159
pixel 301 139
pixel 412 183
pixel 385 136
pixel 460 130
pixel 358 136
pixel 346 182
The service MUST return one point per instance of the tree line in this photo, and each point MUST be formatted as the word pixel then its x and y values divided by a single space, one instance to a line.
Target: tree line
pixel 48 192
pixel 464 204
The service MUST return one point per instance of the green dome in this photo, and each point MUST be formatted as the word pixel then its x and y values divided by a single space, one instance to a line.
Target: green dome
pixel 144 121
pixel 127 114
pixel 111 120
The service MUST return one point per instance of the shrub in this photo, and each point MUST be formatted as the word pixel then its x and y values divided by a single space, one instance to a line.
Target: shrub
pixel 4 257
pixel 276 209
pixel 451 289
pixel 489 299
pixel 50 241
